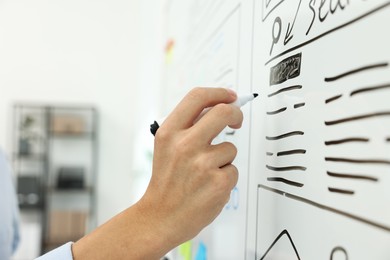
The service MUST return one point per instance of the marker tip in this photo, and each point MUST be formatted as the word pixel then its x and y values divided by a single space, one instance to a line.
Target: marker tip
pixel 255 95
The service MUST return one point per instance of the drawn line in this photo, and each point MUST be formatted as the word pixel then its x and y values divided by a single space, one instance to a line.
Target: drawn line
pixel 299 105
pixel 379 65
pixel 351 176
pixel 347 140
pixel 286 168
pixel 388 139
pixel 362 90
pixel 348 160
pixel 296 151
pixel 324 207
pixel 330 31
pixel 284 232
pixel 339 248
pixel 277 111
pixel 332 99
pixel 273 138
pixel 265 17
pixel 285 181
pixel 285 89
pixel 355 118
pixel 269 154
pixel 336 190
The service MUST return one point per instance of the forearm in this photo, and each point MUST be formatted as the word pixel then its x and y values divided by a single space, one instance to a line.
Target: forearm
pixel 130 235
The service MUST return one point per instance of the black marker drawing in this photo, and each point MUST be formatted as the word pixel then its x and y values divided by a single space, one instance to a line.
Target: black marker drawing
pixel 288 35
pixel 283 109
pixel 361 69
pixel 285 90
pixel 342 191
pixel 347 140
pixel 359 117
pixel 273 8
pixel 373 11
pixel 352 176
pixel 275 39
pixel 388 139
pixel 327 208
pixel 277 111
pixel 358 161
pixel 313 10
pixel 286 168
pixel 278 137
pixel 288 68
pixel 339 249
pixel 331 99
pixel 269 154
pixel 283 233
pixel 369 89
pixel 299 105
pixel 285 181
pixel 296 151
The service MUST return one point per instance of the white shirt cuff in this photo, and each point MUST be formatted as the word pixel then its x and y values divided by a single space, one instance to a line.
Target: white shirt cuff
pixel 63 252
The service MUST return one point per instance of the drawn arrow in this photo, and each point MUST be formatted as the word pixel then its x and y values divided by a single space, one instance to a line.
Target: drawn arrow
pixel 290 27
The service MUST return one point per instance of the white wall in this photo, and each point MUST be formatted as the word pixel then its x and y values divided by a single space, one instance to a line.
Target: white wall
pixel 82 51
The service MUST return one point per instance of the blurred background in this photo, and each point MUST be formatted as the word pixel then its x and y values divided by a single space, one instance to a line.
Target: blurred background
pixel 79 86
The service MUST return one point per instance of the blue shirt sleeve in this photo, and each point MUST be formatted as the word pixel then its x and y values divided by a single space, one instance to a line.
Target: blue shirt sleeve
pixel 63 252
pixel 9 217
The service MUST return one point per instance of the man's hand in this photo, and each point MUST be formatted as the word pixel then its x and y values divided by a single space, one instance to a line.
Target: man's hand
pixel 192 179
pixel 191 183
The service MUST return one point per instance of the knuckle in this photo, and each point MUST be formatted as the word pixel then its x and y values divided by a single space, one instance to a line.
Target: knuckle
pixel 183 145
pixel 232 148
pixel 197 93
pixel 224 110
pixel 162 135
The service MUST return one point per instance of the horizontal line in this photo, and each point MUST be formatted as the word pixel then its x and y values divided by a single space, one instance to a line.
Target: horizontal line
pixel 292 183
pixel 286 168
pixel 388 139
pixel 368 89
pixel 329 32
pixel 347 140
pixel 285 89
pixel 348 160
pixel 299 105
pixel 351 176
pixel 296 151
pixel 272 138
pixel 349 192
pixel 332 99
pixel 277 111
pixel 355 118
pixel 324 207
pixel 379 65
pixel 269 154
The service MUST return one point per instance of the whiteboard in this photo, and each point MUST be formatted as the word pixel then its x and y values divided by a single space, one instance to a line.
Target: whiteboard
pixel 314 151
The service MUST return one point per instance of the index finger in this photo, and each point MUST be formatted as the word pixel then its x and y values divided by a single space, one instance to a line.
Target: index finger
pixel 185 113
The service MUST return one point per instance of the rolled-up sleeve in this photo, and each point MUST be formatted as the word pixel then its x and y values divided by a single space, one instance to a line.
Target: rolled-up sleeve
pixel 63 252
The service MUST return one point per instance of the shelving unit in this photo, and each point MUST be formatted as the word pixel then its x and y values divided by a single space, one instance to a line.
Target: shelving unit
pixel 55 157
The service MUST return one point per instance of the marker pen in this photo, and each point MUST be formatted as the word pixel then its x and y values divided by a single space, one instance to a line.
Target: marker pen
pixel 240 101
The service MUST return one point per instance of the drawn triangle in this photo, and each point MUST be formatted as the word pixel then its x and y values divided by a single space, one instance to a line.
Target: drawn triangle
pixel 282 248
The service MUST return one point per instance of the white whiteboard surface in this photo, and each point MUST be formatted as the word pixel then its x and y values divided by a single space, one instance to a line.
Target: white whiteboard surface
pixel 314 151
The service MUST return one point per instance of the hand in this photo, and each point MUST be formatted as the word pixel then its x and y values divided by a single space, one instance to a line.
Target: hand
pixel 191 183
pixel 192 179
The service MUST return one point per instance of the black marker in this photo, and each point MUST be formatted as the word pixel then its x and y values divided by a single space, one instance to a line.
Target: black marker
pixel 240 101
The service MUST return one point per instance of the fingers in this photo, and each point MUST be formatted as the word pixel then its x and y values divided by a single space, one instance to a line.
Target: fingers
pixel 228 177
pixel 193 104
pixel 214 121
pixel 221 154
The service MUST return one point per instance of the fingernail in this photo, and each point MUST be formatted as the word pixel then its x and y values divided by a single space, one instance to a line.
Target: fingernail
pixel 232 92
